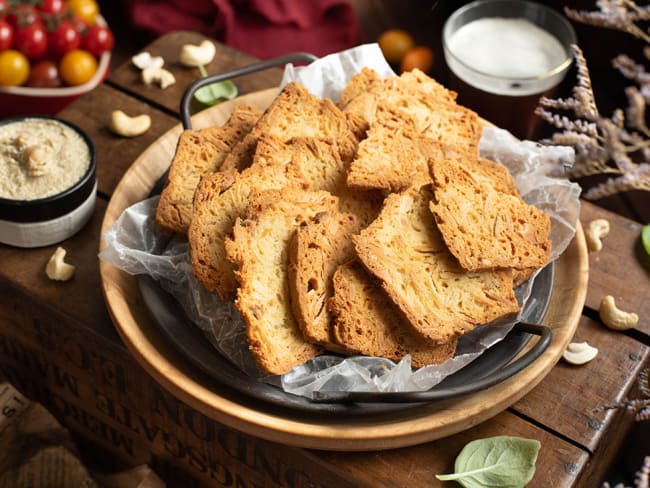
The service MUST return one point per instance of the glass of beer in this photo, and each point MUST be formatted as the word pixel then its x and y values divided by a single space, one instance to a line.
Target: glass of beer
pixel 503 55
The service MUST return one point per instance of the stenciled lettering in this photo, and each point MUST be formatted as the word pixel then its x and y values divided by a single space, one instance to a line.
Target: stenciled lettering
pixel 92 424
pixel 29 358
pixel 65 380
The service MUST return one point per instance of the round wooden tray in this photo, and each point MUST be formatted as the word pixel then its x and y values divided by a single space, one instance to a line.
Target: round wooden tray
pixel 405 427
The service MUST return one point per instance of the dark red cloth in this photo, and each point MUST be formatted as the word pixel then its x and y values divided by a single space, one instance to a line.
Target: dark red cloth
pixel 262 28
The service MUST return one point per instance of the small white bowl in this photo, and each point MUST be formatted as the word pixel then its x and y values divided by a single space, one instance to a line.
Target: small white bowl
pixel 45 221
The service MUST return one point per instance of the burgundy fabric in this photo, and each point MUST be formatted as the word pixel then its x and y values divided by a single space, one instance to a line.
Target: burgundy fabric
pixel 262 28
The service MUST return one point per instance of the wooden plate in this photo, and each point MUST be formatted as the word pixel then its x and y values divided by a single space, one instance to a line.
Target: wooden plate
pixel 406 427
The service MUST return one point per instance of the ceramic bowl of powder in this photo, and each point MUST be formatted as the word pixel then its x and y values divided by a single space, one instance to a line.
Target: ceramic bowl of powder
pixel 47 180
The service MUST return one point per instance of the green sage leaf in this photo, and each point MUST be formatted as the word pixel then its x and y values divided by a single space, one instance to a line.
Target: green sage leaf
pixel 211 94
pixel 645 238
pixel 501 461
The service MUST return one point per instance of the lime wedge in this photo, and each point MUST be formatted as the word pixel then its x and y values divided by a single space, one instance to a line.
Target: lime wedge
pixel 211 94
pixel 645 238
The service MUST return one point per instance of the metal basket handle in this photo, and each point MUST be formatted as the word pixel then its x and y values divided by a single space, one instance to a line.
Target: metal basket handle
pixel 245 70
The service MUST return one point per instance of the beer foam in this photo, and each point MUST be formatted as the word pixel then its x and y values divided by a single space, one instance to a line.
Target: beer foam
pixel 507 47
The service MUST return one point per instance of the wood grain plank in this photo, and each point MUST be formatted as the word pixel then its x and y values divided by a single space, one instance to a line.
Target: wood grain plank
pixel 114 153
pixel 127 76
pixel 621 268
pixel 95 388
pixel 640 202
pixel 566 400
pixel 558 462
pixel 80 298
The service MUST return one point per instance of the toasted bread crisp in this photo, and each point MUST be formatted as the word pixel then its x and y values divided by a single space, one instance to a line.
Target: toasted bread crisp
pixel 397 113
pixel 259 247
pixel 389 158
pixel 368 322
pixel 198 152
pixel 483 219
pixel 360 83
pixel 414 91
pixel 454 125
pixel 221 198
pixel 405 250
pixel 295 113
pixel 315 251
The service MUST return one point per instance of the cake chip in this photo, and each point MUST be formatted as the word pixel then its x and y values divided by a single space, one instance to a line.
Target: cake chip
pixel 404 249
pixel 483 219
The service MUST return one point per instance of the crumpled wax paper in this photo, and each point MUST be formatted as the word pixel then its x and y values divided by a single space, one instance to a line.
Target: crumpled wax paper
pixel 133 245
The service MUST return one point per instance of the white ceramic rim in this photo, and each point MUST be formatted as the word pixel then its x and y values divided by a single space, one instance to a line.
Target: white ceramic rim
pixel 47 232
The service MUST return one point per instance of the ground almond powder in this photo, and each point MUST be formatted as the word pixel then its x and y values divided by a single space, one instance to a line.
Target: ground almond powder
pixel 40 158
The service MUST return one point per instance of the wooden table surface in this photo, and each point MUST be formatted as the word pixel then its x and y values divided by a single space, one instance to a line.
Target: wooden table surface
pixel 579 443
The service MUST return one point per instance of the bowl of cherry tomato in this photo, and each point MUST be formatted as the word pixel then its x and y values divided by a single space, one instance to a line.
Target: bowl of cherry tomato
pixel 51 52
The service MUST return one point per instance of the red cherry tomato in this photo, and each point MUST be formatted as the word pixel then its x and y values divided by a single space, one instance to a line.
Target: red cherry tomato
pixel 52 6
pixel 23 15
pixel 6 35
pixel 4 7
pixel 64 38
pixel 44 74
pixel 98 40
pixel 81 25
pixel 31 41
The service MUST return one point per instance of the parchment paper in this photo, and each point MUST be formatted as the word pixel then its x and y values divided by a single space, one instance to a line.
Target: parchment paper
pixel 133 246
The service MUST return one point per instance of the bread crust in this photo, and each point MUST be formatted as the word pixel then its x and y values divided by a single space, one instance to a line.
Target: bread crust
pixel 198 152
pixel 482 217
pixel 259 248
pixel 394 116
pixel 315 251
pixel 294 113
pixel 404 249
pixel 367 322
pixel 309 163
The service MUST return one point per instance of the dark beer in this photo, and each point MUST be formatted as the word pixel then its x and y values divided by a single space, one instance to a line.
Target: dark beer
pixel 513 113
pixel 503 55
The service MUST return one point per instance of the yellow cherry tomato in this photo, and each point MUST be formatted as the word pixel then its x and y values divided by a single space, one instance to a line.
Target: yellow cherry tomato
pixel 85 9
pixel 420 57
pixel 14 68
pixel 394 44
pixel 77 67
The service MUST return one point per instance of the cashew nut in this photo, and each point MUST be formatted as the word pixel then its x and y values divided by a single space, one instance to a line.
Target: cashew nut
pixel 145 60
pixel 156 74
pixel 37 160
pixel 614 318
pixel 579 353
pixel 192 55
pixel 123 125
pixel 57 269
pixel 596 230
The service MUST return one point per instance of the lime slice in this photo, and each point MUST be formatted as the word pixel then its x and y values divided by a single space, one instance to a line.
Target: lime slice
pixel 211 94
pixel 645 238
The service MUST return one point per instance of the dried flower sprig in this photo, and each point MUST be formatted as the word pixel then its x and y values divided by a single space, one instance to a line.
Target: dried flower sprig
pixel 620 15
pixel 604 145
pixel 639 406
pixel 642 479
